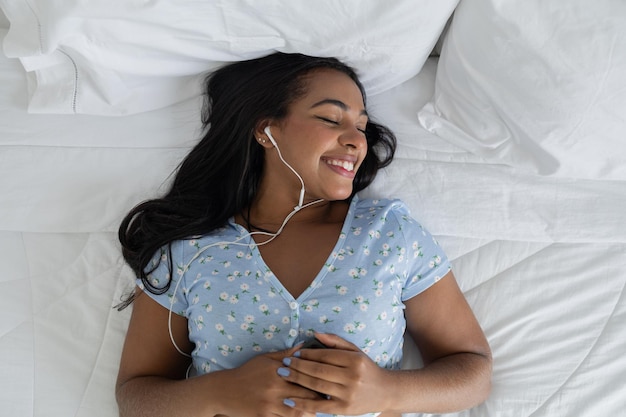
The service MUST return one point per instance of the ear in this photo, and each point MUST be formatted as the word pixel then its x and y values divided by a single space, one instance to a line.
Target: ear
pixel 259 133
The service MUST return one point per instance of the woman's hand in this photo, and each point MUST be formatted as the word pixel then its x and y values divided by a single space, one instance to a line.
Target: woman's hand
pixel 257 388
pixel 349 381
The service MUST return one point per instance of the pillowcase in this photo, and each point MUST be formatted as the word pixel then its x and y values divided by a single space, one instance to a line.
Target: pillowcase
pixel 538 85
pixel 126 56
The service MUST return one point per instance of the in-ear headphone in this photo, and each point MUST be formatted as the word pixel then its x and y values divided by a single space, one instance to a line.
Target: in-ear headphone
pixel 268 132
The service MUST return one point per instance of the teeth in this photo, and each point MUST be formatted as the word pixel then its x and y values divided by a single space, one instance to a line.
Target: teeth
pixel 348 166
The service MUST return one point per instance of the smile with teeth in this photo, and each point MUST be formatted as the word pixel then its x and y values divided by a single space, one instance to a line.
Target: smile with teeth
pixel 347 165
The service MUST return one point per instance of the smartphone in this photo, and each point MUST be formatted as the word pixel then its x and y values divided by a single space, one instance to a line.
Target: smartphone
pixel 313 344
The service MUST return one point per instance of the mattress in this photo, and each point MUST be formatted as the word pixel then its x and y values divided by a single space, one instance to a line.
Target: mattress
pixel 541 259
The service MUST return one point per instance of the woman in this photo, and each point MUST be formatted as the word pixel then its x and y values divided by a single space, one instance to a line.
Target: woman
pixel 261 245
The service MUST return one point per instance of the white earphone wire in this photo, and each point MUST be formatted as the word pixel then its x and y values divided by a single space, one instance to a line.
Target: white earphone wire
pixel 238 240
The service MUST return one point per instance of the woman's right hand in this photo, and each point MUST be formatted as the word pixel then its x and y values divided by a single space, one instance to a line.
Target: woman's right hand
pixel 257 389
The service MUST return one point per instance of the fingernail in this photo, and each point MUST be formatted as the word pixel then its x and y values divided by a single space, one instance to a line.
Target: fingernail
pixel 287 361
pixel 289 402
pixel 283 371
pixel 297 354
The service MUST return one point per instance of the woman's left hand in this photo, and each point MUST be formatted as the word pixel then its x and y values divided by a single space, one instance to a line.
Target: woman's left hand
pixel 351 383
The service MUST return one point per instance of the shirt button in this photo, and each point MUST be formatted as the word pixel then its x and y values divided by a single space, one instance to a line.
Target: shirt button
pixel 293 305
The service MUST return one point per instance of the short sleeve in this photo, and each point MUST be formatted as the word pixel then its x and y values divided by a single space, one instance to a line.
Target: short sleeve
pixel 174 298
pixel 426 261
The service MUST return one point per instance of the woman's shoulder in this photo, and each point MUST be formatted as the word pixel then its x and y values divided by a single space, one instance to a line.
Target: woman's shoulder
pixel 380 206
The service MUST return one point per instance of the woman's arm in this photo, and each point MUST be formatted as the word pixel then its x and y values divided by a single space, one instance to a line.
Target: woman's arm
pixel 151 380
pixel 457 358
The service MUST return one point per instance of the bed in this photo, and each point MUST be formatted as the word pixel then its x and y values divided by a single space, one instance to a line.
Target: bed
pixel 511 122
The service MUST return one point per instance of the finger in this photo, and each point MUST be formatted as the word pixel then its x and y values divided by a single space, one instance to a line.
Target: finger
pixel 283 353
pixel 314 406
pixel 335 342
pixel 317 377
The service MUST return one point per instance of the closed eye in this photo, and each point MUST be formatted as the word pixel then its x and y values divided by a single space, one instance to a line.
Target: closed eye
pixel 328 120
pixel 335 123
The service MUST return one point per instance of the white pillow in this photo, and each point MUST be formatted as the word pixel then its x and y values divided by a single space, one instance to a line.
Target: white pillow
pixel 126 56
pixel 536 84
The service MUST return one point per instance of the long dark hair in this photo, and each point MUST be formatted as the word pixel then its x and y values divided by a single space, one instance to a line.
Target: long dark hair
pixel 221 174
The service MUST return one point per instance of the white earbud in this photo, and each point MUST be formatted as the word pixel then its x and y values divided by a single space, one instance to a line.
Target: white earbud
pixel 268 132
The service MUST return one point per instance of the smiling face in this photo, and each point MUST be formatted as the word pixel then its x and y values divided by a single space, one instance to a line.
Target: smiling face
pixel 322 138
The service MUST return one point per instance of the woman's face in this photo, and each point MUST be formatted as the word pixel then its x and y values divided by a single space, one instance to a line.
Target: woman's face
pixel 322 137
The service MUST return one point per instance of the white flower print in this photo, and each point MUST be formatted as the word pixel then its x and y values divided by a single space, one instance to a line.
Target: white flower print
pixel 220 328
pixel 341 290
pixel 207 285
pixel 244 288
pixel 225 350
pixel 234 299
pixel 205 259
pixel 336 309
pixel 264 309
pixel 223 296
pixel 195 299
pixel 208 308
pixel 325 320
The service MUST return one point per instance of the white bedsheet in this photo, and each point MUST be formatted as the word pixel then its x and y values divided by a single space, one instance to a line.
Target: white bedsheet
pixel 541 260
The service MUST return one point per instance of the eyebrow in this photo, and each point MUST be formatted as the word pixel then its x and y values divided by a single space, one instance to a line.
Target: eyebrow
pixel 337 103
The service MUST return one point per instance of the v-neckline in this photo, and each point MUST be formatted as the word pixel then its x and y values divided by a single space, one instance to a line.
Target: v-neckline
pixel 321 274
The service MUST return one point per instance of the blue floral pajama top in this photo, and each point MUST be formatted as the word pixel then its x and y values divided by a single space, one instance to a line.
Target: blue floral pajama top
pixel 237 308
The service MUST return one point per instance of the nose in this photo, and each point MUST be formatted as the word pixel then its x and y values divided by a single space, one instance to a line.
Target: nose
pixel 353 138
